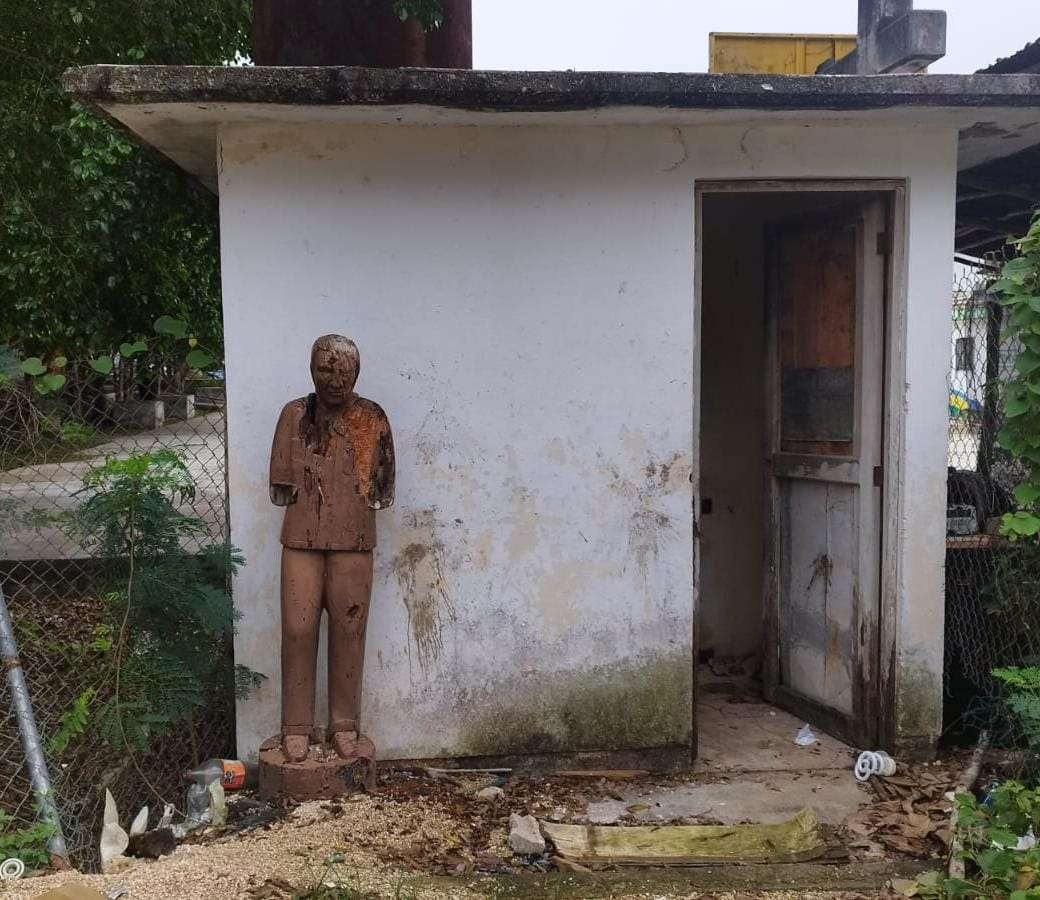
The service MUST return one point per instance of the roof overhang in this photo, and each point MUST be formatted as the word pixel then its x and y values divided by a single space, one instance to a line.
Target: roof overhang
pixel 178 109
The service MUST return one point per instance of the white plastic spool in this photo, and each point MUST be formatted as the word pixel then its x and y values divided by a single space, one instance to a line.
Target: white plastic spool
pixel 873 762
pixel 11 869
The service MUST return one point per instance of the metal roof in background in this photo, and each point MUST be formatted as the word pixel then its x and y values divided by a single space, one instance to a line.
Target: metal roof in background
pixel 996 200
pixel 1026 60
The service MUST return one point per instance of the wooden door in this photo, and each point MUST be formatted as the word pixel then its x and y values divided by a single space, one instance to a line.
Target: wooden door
pixel 826 314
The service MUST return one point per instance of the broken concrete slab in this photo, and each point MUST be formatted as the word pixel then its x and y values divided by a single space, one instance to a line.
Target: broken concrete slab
pixel 796 840
pixel 762 797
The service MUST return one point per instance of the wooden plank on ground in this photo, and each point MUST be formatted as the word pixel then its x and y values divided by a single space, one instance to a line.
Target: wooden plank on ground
pixel 797 840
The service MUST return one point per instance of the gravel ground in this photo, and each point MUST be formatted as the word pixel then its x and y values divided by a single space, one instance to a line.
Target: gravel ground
pixel 293 851
pixel 390 842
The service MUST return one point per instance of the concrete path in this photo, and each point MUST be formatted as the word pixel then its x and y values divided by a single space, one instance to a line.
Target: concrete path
pixel 31 495
pixel 748 769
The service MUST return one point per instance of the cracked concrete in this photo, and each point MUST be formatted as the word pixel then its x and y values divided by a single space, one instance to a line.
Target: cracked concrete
pixel 749 769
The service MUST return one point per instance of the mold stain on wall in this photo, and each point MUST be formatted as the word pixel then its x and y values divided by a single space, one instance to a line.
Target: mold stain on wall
pixel 649 527
pixel 419 569
pixel 636 703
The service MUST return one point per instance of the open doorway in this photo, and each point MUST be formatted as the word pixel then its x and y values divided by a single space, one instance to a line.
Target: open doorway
pixel 793 285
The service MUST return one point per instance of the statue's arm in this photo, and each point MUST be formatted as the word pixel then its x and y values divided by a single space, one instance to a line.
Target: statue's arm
pixel 283 488
pixel 384 470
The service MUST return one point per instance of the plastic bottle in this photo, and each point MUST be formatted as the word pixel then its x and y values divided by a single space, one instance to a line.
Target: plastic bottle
pixel 196 804
pixel 233 774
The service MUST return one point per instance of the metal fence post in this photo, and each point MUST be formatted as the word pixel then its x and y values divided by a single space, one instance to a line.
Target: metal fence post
pixel 37 764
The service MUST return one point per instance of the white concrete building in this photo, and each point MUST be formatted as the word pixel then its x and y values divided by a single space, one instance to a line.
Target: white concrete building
pixel 666 361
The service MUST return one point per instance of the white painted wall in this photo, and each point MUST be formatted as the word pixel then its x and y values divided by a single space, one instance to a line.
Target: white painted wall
pixel 523 299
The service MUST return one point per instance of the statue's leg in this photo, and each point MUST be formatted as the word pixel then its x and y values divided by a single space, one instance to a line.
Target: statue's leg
pixel 303 576
pixel 348 589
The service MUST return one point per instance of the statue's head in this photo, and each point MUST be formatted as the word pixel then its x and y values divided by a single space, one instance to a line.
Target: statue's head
pixel 335 364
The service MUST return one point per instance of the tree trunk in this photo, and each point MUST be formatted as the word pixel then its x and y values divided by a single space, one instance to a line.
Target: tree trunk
pixel 358 33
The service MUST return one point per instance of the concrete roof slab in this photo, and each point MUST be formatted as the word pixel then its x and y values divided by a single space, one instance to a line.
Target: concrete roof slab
pixel 178 109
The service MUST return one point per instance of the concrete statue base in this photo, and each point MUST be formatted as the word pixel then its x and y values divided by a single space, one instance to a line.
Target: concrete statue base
pixel 323 775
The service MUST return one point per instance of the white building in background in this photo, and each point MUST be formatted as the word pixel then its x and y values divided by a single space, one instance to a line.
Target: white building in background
pixel 610 316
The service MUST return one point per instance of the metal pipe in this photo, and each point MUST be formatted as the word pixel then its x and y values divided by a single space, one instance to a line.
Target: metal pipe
pixel 31 743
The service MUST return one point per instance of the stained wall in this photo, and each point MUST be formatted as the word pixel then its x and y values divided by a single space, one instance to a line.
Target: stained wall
pixel 523 300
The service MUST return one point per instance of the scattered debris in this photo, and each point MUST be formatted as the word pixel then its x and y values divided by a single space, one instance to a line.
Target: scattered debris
pixel 114 840
pixel 797 840
pixel 450 773
pixel 870 763
pixel 910 816
pixel 525 837
pixel 271 889
pixel 964 785
pixel 72 892
pixel 805 737
pixel 11 869
pixel 566 865
pixel 605 774
pixel 140 823
pixel 152 844
pixel 167 816
pixel 217 804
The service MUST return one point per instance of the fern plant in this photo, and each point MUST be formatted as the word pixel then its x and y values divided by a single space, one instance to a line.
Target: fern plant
pixel 1023 701
pixel 169 614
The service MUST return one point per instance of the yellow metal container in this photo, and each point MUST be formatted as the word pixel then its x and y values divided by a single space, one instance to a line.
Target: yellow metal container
pixel 775 54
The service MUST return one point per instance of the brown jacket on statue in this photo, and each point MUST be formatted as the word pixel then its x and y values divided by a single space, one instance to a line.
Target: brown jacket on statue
pixel 340 474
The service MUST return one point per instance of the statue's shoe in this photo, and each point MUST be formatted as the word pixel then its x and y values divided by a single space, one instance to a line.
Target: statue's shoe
pixel 295 747
pixel 345 743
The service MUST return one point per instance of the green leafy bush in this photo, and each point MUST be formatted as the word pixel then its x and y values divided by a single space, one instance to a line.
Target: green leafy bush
pixel 990 834
pixel 77 435
pixel 1019 290
pixel 169 614
pixel 27 844
pixel 427 13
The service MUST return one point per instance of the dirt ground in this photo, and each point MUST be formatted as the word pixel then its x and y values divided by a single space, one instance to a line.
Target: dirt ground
pixel 424 836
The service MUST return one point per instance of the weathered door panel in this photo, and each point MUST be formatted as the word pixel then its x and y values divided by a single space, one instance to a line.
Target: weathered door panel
pixel 826 316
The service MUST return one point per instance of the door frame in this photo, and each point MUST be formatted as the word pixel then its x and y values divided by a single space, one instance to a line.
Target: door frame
pixel 893 419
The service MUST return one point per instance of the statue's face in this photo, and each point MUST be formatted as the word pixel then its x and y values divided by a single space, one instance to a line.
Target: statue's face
pixel 334 377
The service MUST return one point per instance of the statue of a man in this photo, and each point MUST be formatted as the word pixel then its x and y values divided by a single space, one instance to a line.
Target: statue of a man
pixel 332 467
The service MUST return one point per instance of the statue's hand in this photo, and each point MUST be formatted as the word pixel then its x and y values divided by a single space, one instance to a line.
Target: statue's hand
pixel 283 494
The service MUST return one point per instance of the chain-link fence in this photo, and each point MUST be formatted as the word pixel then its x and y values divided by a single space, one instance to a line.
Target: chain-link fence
pixel 56 586
pixel 992 587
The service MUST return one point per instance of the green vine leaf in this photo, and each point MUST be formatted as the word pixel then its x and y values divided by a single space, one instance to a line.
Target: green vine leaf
pixel 1027 493
pixel 103 365
pixel 169 325
pixel 1019 289
pixel 199 359
pixel 48 384
pixel 127 350
pixel 1021 524
pixel 59 362
pixel 1017 406
pixel 1028 362
pixel 33 366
